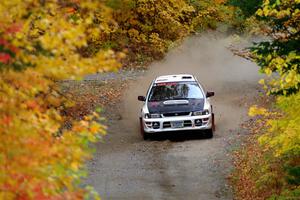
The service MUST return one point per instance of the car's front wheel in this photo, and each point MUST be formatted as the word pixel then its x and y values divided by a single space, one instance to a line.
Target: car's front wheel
pixel 213 123
pixel 209 133
pixel 142 131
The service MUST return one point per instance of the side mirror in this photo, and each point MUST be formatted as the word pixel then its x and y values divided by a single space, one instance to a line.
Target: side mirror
pixel 210 94
pixel 141 98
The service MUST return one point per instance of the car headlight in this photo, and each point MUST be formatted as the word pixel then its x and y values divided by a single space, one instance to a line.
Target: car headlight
pixel 155 115
pixel 198 113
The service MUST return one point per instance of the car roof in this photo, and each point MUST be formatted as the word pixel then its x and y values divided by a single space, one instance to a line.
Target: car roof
pixel 175 78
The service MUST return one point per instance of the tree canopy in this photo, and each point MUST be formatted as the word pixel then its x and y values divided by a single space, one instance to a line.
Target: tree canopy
pixel 281 53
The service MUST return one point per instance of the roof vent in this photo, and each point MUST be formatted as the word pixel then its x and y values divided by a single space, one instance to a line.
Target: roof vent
pixel 186 77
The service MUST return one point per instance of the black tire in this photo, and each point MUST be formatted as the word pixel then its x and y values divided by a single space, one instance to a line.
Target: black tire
pixel 146 136
pixel 143 133
pixel 209 133
pixel 213 123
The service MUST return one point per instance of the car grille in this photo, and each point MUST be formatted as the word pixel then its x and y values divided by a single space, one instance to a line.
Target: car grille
pixel 167 125
pixel 176 114
pixel 186 123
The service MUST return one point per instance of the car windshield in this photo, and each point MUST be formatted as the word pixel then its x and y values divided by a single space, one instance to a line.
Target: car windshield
pixel 175 91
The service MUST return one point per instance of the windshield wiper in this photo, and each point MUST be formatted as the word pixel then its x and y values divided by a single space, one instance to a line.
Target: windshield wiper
pixel 181 98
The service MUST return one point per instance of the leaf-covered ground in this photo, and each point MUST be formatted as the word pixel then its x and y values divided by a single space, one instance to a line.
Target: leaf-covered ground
pixel 100 92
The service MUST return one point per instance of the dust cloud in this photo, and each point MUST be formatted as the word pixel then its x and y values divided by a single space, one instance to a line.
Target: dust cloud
pixel 209 59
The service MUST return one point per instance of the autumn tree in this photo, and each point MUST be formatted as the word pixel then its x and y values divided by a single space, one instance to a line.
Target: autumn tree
pixel 41 42
pixel 268 167
pixel 147 28
pixel 281 54
pixel 248 7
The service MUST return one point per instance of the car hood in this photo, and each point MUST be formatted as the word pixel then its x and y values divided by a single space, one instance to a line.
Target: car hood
pixel 171 106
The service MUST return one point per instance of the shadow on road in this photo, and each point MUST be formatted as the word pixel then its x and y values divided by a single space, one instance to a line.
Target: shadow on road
pixel 180 136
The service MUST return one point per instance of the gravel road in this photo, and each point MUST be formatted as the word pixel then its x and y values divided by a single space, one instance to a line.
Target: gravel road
pixel 184 166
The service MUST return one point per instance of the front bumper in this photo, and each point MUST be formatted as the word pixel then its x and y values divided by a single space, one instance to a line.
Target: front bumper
pixel 156 125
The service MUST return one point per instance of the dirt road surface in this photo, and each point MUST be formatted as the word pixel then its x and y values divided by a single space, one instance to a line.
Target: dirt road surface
pixel 182 166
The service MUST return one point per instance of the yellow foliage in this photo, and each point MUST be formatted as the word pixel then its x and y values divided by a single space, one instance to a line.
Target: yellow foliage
pixel 41 44
pixel 254 110
pixel 280 56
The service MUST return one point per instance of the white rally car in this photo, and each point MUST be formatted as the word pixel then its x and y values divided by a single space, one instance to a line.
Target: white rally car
pixel 176 103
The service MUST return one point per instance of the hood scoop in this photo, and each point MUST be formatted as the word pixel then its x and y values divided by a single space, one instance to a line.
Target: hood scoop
pixel 176 102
